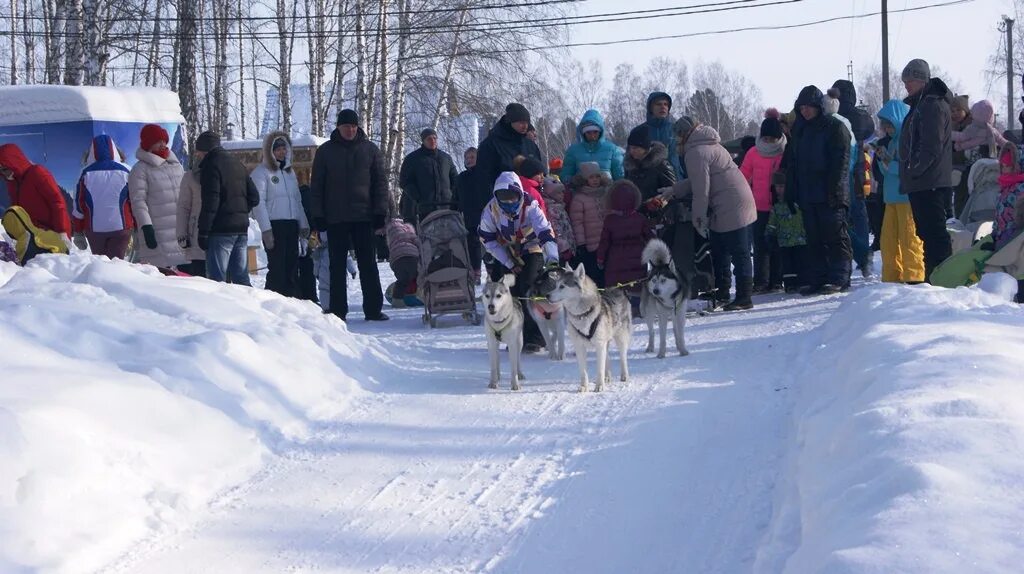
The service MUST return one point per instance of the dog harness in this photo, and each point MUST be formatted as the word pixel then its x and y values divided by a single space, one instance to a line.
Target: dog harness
pixel 593 325
pixel 544 308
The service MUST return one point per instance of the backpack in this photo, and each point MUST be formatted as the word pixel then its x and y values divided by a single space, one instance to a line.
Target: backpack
pixel 29 239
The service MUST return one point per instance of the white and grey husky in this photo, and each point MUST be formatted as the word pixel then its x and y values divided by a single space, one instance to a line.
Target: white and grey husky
pixel 550 317
pixel 595 319
pixel 503 323
pixel 664 297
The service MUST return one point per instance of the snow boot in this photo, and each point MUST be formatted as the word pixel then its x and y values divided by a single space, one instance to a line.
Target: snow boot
pixel 742 301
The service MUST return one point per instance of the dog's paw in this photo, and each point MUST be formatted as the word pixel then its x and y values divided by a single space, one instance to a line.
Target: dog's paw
pixel 623 379
pixel 683 352
pixel 649 349
pixel 598 388
pixel 661 355
pixel 492 386
pixel 583 388
pixel 521 377
pixel 516 387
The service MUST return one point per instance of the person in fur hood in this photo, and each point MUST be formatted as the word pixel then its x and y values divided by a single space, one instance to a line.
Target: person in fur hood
pixel 280 214
pixel 759 167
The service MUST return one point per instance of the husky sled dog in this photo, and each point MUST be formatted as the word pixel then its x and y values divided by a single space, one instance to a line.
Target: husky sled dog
pixel 503 323
pixel 550 317
pixel 664 297
pixel 595 319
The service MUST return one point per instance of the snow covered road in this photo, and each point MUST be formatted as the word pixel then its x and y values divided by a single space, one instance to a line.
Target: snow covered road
pixel 432 472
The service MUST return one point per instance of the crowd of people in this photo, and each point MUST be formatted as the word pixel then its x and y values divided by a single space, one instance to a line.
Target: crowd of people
pixel 793 212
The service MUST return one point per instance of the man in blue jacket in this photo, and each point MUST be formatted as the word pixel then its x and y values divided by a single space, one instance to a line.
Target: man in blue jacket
pixel 591 146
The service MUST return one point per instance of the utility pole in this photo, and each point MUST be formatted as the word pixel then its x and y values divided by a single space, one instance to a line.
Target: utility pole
pixel 1008 28
pixel 885 51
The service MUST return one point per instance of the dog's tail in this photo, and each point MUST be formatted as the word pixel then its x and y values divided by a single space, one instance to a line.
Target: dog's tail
pixel 656 253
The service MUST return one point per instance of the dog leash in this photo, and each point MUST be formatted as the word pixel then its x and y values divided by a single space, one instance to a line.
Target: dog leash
pixel 599 290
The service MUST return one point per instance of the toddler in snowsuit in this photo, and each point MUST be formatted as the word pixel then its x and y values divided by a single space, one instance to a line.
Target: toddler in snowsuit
pixel 587 215
pixel 554 196
pixel 322 267
pixel 623 237
pixel 403 256
pixel 981 132
pixel 902 249
pixel 786 228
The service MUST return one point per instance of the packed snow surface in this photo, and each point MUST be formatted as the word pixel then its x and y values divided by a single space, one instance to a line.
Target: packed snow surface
pixel 27 105
pixel 152 425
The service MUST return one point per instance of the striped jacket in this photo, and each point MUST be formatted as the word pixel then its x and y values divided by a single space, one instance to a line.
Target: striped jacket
pixel 509 238
pixel 101 200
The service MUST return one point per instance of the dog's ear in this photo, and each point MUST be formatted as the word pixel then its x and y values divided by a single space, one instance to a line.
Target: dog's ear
pixel 579 272
pixel 566 267
pixel 509 280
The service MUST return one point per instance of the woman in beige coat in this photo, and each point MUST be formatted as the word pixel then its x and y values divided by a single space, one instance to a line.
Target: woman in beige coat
pixel 723 206
pixel 153 186
pixel 190 202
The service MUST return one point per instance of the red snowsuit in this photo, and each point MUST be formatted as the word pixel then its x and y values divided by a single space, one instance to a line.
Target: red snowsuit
pixel 34 189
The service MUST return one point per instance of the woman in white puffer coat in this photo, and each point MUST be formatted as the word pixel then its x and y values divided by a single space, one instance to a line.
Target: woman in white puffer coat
pixel 153 186
pixel 279 213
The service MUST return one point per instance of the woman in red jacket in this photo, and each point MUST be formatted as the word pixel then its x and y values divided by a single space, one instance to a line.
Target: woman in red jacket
pixel 32 187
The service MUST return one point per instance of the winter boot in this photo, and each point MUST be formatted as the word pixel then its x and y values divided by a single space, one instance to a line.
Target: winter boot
pixel 742 301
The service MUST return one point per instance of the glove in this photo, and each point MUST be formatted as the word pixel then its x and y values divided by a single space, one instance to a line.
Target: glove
pixel 378 222
pixel 320 223
pixel 516 270
pixel 80 241
pixel 204 242
pixel 700 226
pixel 184 242
pixel 656 203
pixel 268 240
pixel 150 235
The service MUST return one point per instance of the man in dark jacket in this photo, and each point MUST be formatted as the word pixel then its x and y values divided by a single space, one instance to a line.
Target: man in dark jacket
pixel 817 178
pixel 228 196
pixel 506 140
pixel 659 122
pixel 350 202
pixel 863 128
pixel 471 204
pixel 427 178
pixel 926 153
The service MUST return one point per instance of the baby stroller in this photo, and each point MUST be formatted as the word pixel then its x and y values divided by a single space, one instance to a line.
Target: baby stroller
pixel 979 212
pixel 445 277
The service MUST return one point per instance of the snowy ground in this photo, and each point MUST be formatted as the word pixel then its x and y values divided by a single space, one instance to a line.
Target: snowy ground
pixel 881 431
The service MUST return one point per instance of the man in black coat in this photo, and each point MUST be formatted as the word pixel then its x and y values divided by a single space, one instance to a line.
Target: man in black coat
pixel 228 195
pixel 817 178
pixel 350 202
pixel 506 140
pixel 863 128
pixel 926 160
pixel 472 204
pixel 427 178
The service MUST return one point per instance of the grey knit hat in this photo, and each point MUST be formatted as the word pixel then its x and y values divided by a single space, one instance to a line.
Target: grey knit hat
pixel 917 69
pixel 684 125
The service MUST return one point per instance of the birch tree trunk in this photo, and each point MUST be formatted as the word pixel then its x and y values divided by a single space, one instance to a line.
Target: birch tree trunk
pixel 153 59
pixel 138 53
pixel 14 43
pixel 95 56
pixel 385 91
pixel 285 65
pixel 338 95
pixel 222 24
pixel 316 43
pixel 362 97
pixel 75 41
pixel 55 41
pixel 396 129
pixel 186 40
pixel 241 74
pixel 449 70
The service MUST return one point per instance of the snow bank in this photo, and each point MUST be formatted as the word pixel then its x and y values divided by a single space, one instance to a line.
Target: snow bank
pixel 128 400
pixel 910 452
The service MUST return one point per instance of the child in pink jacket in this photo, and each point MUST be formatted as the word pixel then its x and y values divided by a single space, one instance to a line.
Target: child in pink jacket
pixel 981 132
pixel 590 186
pixel 759 165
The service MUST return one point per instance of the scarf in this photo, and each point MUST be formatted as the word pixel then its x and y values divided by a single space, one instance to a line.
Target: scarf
pixel 164 153
pixel 1010 179
pixel 771 149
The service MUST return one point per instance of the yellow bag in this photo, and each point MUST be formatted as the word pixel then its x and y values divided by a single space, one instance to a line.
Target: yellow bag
pixel 29 239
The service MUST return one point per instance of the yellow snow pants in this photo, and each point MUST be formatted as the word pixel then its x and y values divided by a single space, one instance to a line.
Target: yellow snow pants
pixel 902 249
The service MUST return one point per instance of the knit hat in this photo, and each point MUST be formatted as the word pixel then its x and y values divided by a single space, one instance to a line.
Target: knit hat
pixel 917 69
pixel 348 117
pixel 771 126
pixel 517 113
pixel 589 168
pixel 530 167
pixel 207 141
pixel 427 132
pixel 684 125
pixel 640 136
pixel 555 164
pixel 151 134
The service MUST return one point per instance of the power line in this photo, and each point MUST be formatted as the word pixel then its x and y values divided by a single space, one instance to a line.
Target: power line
pixel 626 16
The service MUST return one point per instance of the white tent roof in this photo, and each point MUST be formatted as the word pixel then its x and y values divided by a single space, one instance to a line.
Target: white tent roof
pixel 26 105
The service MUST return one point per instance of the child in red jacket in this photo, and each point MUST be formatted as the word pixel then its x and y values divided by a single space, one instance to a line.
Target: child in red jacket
pixel 623 237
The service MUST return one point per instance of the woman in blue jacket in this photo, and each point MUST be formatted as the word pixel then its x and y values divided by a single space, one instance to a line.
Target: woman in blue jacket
pixel 592 146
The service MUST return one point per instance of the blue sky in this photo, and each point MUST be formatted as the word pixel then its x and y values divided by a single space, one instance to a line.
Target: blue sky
pixel 959 38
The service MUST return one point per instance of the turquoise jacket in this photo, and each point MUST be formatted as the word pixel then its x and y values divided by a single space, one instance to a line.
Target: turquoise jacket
pixel 606 154
pixel 894 112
